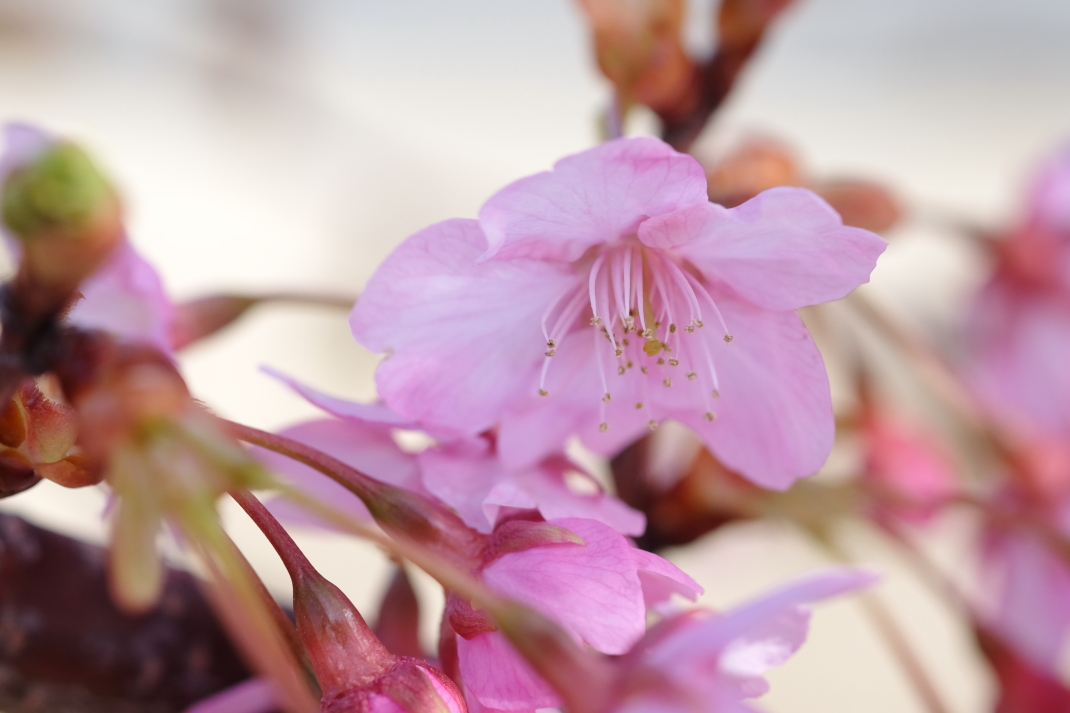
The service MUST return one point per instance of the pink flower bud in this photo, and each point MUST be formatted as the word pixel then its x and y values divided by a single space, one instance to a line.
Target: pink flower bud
pixel 356 672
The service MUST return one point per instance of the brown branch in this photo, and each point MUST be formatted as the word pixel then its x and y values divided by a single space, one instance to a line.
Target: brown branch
pixel 741 25
pixel 62 639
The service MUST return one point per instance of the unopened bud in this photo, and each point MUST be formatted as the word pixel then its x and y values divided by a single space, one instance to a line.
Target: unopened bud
pixel 64 213
pixel 355 671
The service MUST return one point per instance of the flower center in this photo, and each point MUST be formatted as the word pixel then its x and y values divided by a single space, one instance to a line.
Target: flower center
pixel 644 311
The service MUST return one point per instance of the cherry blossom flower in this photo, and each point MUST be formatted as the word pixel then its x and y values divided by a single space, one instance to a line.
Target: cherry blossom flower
pixel 607 295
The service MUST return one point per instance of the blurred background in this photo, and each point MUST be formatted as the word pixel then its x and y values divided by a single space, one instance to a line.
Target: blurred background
pixel 265 145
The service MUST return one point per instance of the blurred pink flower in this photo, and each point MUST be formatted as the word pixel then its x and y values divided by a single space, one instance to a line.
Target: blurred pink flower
pixel 1018 333
pixel 608 294
pixel 912 473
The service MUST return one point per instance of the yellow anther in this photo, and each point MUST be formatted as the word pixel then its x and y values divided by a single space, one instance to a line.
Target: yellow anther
pixel 666 382
pixel 661 362
pixel 672 329
pixel 618 351
pixel 648 333
pixel 709 415
pixel 603 427
pixel 638 405
pixel 643 369
pixel 674 362
pixel 620 370
pixel 716 394
pixel 652 425
pixel 690 329
pixel 606 398
pixel 595 321
pixel 691 376
pixel 551 343
pixel 727 338
pixel 626 342
pixel 699 324
pixel 549 352
pixel 543 392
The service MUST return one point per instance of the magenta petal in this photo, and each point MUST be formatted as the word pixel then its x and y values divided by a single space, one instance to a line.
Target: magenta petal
pixel 464 339
pixel 783 249
pixel 661 578
pixel 499 677
pixel 590 198
pixel 126 297
pixel 369 449
pixel 774 414
pixel 592 590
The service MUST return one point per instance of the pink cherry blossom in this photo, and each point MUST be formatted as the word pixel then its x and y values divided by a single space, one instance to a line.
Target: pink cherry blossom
pixel 464 472
pixel 607 295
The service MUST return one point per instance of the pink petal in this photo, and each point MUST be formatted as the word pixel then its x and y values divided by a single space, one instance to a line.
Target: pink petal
pixel 783 249
pixel 1049 195
pixel 592 590
pixel 341 408
pixel 759 620
pixel 252 696
pixel 589 198
pixel 369 449
pixel 661 578
pixel 774 419
pixel 536 427
pixel 555 499
pixel 464 339
pixel 126 297
pixel 469 478
pixel 499 677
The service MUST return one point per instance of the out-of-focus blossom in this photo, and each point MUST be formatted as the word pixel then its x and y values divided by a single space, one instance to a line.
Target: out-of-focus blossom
pixel 608 294
pixel 911 473
pixel 464 472
pixel 1018 335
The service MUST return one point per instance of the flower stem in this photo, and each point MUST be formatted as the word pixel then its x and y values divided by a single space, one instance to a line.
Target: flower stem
pixel 290 554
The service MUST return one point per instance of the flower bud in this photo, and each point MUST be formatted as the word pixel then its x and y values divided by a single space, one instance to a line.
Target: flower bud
pixel 64 213
pixel 354 669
